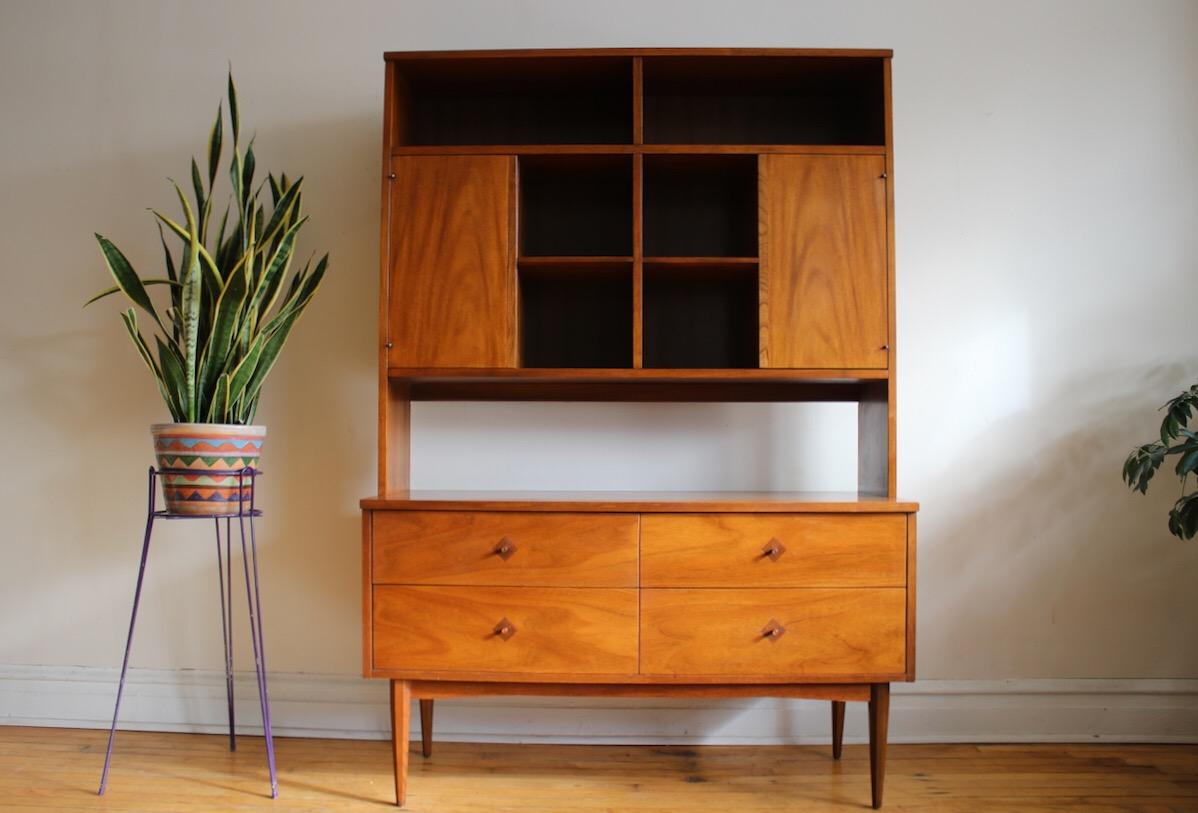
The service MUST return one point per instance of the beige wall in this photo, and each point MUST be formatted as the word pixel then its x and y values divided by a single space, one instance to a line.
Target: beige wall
pixel 1047 161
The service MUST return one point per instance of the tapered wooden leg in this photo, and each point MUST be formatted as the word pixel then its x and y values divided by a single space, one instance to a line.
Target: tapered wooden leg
pixel 837 727
pixel 401 720
pixel 426 727
pixel 879 718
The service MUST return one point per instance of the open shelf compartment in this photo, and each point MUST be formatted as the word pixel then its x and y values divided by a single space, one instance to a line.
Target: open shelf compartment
pixel 764 100
pixel 700 317
pixel 576 315
pixel 491 100
pixel 575 206
pixel 700 206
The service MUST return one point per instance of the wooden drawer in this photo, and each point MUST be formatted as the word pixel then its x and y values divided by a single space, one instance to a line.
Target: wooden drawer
pixel 810 550
pixel 551 630
pixel 497 548
pixel 827 632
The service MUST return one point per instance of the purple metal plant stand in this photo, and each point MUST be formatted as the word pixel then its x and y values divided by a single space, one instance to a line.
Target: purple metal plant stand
pixel 224 577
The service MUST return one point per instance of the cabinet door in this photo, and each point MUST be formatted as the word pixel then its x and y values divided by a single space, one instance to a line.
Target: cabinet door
pixel 823 261
pixel 452 287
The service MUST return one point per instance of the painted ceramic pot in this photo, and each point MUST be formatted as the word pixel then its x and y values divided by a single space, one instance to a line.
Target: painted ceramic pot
pixel 204 460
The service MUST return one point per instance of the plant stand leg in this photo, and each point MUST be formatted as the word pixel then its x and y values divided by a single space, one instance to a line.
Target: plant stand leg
pixel 401 712
pixel 426 728
pixel 837 728
pixel 879 717
pixel 120 688
pixel 226 619
pixel 255 602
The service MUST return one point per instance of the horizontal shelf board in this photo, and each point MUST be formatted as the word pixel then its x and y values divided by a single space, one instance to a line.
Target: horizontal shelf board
pixel 780 502
pixel 643 391
pixel 516 149
pixel 701 262
pixel 813 149
pixel 644 385
pixel 626 149
pixel 673 686
pixel 532 53
pixel 838 686
pixel 631 375
pixel 574 263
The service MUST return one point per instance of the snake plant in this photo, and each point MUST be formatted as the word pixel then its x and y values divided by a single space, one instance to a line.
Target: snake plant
pixel 1176 439
pixel 233 300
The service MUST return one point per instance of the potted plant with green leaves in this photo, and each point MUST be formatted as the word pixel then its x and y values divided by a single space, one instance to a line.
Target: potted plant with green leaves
pixel 1176 438
pixel 234 300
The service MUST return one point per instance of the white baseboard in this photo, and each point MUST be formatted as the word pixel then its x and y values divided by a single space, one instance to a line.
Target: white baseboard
pixel 1164 711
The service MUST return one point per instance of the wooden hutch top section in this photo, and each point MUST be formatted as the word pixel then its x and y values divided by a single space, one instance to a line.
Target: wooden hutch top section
pixel 658 224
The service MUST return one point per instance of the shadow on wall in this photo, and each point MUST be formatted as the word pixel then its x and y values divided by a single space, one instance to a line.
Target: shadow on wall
pixel 1084 569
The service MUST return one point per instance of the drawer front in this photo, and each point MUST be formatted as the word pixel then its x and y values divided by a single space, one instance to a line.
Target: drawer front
pixel 746 550
pixel 519 630
pixel 532 549
pixel 790 634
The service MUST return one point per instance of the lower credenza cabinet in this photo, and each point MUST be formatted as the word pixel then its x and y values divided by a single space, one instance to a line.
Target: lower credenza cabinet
pixel 802 603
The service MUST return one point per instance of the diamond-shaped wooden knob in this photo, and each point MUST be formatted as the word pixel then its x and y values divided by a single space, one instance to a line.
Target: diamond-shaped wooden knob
pixel 505 629
pixel 773 630
pixel 773 549
pixel 504 549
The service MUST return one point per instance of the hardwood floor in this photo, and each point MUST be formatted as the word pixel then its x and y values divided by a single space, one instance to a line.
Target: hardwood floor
pixel 57 770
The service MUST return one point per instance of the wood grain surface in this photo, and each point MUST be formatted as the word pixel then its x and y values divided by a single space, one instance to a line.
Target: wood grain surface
pixel 441 689
pixel 784 502
pixel 734 550
pixel 850 632
pixel 401 715
pixel 547 550
pixel 556 629
pixel 573 53
pixel 823 291
pixel 54 770
pixel 452 271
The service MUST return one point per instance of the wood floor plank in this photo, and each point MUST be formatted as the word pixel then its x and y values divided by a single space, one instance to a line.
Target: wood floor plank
pixel 56 770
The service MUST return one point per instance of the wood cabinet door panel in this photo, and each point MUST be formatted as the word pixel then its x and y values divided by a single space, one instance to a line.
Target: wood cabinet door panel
pixel 823 285
pixel 549 630
pixel 505 548
pixel 824 632
pixel 772 550
pixel 452 284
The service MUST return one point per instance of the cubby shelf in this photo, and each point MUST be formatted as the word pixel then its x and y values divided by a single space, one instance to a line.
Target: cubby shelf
pixel 576 315
pixel 466 101
pixel 701 316
pixel 575 205
pixel 700 205
pixel 696 100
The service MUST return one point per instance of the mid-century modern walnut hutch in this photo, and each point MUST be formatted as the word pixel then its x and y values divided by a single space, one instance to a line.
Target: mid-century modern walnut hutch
pixel 639 225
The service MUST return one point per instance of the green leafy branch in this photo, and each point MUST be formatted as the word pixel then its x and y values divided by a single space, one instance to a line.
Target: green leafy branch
pixel 234 300
pixel 1176 438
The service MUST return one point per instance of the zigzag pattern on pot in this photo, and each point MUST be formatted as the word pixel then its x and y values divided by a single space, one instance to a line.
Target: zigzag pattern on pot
pixel 211 454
